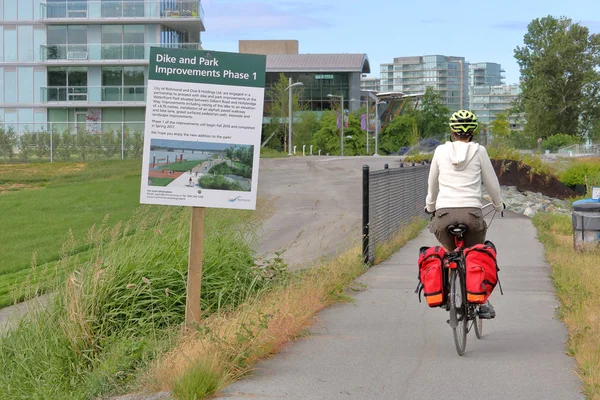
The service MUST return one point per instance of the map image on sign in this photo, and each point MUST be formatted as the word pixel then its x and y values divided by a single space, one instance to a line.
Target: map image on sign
pixel 200 165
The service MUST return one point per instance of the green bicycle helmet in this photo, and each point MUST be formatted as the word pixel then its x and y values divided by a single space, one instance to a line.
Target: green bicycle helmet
pixel 463 123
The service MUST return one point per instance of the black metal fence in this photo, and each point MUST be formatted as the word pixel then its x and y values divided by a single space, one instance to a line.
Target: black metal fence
pixel 392 197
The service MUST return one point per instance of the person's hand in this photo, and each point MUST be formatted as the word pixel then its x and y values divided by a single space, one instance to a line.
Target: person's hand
pixel 429 212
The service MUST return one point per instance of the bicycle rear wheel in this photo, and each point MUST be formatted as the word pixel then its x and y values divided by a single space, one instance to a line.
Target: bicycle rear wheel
pixel 478 322
pixel 458 311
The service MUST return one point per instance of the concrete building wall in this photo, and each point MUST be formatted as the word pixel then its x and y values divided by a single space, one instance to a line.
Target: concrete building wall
pixel 268 46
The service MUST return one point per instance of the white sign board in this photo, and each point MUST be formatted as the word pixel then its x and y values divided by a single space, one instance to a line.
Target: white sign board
pixel 203 128
pixel 596 193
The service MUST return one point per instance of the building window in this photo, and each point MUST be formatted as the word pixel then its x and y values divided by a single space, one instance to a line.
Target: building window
pixel 123 84
pixel 120 8
pixel 25 79
pixel 67 84
pixel 10 85
pixel 25 10
pixel 10 44
pixel 10 10
pixel 123 42
pixel 67 42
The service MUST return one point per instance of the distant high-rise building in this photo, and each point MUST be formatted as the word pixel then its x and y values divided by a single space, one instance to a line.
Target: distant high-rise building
pixel 489 101
pixel 370 84
pixel 448 75
pixel 485 74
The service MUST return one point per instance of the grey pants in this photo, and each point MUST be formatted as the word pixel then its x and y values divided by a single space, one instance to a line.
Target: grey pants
pixel 471 217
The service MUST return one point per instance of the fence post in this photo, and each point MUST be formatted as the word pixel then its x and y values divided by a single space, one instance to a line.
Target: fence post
pixel 51 148
pixel 122 140
pixel 365 219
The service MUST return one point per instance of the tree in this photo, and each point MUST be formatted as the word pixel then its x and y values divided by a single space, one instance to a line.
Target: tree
pixel 304 128
pixel 327 138
pixel 432 117
pixel 278 110
pixel 398 133
pixel 500 129
pixel 560 84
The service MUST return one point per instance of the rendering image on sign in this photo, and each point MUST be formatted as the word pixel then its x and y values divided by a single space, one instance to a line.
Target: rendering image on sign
pixel 203 128
pixel 200 165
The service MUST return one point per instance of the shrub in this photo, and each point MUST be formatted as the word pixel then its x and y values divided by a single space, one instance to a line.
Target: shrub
pixel 26 142
pixel 42 145
pixel 219 182
pixel 68 146
pixel 429 144
pixel 581 173
pixel 8 142
pixel 419 158
pixel 558 141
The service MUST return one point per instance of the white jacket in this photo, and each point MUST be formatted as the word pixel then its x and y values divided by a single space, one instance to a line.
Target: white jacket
pixel 457 172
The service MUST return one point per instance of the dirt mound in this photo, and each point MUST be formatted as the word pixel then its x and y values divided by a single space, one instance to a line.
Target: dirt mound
pixel 513 173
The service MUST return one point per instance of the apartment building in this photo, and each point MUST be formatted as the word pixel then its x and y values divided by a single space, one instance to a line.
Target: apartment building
pixel 413 75
pixel 489 101
pixel 69 64
pixel 370 84
pixel 485 74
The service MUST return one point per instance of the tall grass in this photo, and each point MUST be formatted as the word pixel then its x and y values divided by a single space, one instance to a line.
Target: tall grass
pixel 575 276
pixel 118 308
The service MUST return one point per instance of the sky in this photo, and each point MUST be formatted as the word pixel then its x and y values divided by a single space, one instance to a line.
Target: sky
pixel 480 31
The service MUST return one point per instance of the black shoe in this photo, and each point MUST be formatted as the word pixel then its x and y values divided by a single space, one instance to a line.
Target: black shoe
pixel 486 311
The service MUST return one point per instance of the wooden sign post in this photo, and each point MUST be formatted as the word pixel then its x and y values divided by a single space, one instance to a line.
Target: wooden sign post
pixel 194 278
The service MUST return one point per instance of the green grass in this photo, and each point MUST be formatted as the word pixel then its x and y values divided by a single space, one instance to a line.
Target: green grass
pixel 266 152
pixel 180 166
pixel 121 307
pixel 61 173
pixel 219 182
pixel 575 276
pixel 39 220
pixel 52 204
pixel 161 181
pixel 197 383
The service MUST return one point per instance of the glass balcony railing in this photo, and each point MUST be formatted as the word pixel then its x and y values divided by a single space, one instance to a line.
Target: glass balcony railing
pixel 97 52
pixel 122 9
pixel 92 94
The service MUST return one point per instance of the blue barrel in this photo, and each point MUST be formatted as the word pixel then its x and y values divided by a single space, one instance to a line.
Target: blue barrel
pixel 586 224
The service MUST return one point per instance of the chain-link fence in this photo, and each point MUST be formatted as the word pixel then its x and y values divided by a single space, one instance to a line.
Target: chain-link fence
pixel 392 197
pixel 48 142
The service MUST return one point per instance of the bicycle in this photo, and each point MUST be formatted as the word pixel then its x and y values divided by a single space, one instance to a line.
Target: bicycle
pixel 461 311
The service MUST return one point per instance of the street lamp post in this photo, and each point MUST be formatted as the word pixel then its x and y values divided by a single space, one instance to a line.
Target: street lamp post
pixel 290 116
pixel 341 122
pixel 377 126
pixel 367 127
pixel 373 94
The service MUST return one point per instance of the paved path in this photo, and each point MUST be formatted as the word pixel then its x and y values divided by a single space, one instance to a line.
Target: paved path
pixel 318 207
pixel 389 346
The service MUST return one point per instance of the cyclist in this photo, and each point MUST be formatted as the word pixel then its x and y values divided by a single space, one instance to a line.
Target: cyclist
pixel 458 170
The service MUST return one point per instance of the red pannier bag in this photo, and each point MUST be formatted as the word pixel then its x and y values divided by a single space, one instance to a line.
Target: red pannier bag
pixel 481 271
pixel 431 281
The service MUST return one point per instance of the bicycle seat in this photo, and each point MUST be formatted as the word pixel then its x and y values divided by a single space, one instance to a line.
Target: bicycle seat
pixel 459 229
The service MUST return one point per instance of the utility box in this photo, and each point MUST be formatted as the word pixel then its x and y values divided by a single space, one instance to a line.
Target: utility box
pixel 586 224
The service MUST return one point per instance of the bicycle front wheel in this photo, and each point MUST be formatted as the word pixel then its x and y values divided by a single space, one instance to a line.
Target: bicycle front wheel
pixel 458 311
